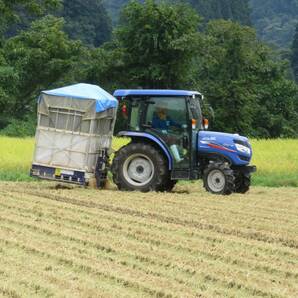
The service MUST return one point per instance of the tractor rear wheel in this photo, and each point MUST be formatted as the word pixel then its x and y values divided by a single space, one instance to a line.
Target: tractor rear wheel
pixel 141 167
pixel 219 179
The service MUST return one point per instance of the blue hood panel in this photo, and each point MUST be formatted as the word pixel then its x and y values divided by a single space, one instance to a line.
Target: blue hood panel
pixel 224 144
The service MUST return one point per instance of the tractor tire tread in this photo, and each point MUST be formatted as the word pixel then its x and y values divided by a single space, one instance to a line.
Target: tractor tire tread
pixel 242 183
pixel 229 175
pixel 161 174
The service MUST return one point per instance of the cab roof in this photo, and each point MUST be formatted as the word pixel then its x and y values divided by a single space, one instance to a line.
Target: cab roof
pixel 153 92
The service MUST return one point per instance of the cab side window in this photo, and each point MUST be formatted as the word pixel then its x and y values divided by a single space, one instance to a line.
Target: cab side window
pixel 122 116
pixel 169 109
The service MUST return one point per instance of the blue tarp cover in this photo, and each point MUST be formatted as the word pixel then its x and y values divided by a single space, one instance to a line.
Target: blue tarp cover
pixel 104 100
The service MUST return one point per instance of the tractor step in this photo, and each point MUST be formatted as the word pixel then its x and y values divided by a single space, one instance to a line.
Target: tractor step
pixel 184 175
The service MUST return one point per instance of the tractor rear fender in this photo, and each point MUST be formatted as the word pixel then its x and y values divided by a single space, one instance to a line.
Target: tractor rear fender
pixel 149 138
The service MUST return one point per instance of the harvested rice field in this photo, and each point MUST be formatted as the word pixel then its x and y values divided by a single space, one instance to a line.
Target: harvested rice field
pixel 58 241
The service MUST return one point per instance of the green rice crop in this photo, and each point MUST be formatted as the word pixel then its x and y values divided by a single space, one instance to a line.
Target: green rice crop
pixel 276 160
pixel 15 158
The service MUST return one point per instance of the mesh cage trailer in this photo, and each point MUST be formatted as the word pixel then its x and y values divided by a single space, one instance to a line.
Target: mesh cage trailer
pixel 74 134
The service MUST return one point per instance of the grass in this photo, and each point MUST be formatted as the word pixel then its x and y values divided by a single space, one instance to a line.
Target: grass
pixel 15 158
pixel 277 160
pixel 76 242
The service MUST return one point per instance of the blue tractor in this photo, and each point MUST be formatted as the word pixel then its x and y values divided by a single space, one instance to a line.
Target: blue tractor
pixel 170 142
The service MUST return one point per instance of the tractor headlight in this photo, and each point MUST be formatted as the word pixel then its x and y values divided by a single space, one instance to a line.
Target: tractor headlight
pixel 243 149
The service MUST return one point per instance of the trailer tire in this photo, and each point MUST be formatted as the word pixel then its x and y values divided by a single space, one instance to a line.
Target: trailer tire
pixel 141 167
pixel 219 179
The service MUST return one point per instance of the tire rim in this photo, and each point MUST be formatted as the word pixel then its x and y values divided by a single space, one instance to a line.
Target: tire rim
pixel 138 169
pixel 216 181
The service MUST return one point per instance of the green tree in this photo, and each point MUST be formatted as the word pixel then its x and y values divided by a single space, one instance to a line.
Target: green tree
pixel 87 21
pixel 7 77
pixel 39 58
pixel 158 42
pixel 275 20
pixel 246 88
pixel 295 55
pixel 224 74
pixel 107 68
pixel 10 10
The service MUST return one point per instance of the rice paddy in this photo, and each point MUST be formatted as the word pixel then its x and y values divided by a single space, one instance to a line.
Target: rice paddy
pixel 58 241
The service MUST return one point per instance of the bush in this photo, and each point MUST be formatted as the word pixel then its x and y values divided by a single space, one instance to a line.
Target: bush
pixel 20 128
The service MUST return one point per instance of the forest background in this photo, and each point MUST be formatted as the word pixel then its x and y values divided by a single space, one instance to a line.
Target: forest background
pixel 243 55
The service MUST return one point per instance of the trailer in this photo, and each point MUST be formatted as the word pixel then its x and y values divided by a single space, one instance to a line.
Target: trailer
pixel 74 134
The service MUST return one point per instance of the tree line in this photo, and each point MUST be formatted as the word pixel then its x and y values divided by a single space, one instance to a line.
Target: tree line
pixel 155 45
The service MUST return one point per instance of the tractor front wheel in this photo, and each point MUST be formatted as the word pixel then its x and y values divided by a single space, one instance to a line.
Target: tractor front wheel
pixel 141 167
pixel 219 179
pixel 170 184
pixel 242 183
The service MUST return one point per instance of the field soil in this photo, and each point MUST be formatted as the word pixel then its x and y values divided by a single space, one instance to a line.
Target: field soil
pixel 76 242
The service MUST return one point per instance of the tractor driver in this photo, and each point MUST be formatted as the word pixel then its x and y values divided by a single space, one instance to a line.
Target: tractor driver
pixel 161 121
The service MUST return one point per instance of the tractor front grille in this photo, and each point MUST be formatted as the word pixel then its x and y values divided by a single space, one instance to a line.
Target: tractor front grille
pixel 244 158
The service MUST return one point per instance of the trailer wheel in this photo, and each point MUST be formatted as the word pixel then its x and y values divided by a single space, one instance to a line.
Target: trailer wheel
pixel 219 179
pixel 242 183
pixel 141 167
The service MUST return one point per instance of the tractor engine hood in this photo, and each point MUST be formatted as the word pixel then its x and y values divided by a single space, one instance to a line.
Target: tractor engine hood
pixel 233 147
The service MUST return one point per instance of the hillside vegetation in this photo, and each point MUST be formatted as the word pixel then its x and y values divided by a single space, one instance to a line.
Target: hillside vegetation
pixel 85 243
pixel 211 9
pixel 275 20
pixel 85 20
pixel 248 87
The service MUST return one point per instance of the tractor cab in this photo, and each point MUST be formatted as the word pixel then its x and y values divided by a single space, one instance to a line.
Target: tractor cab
pixel 166 118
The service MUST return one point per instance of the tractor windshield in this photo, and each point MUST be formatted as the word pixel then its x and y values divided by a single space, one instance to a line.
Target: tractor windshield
pixel 166 112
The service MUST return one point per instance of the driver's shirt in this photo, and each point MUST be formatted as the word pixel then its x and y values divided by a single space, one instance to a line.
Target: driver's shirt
pixel 163 125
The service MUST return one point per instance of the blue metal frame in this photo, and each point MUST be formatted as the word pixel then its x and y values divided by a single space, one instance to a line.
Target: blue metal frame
pixel 207 143
pixel 48 173
pixel 153 138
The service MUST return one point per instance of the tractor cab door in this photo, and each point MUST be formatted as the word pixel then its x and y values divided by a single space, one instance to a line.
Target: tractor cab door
pixel 167 118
